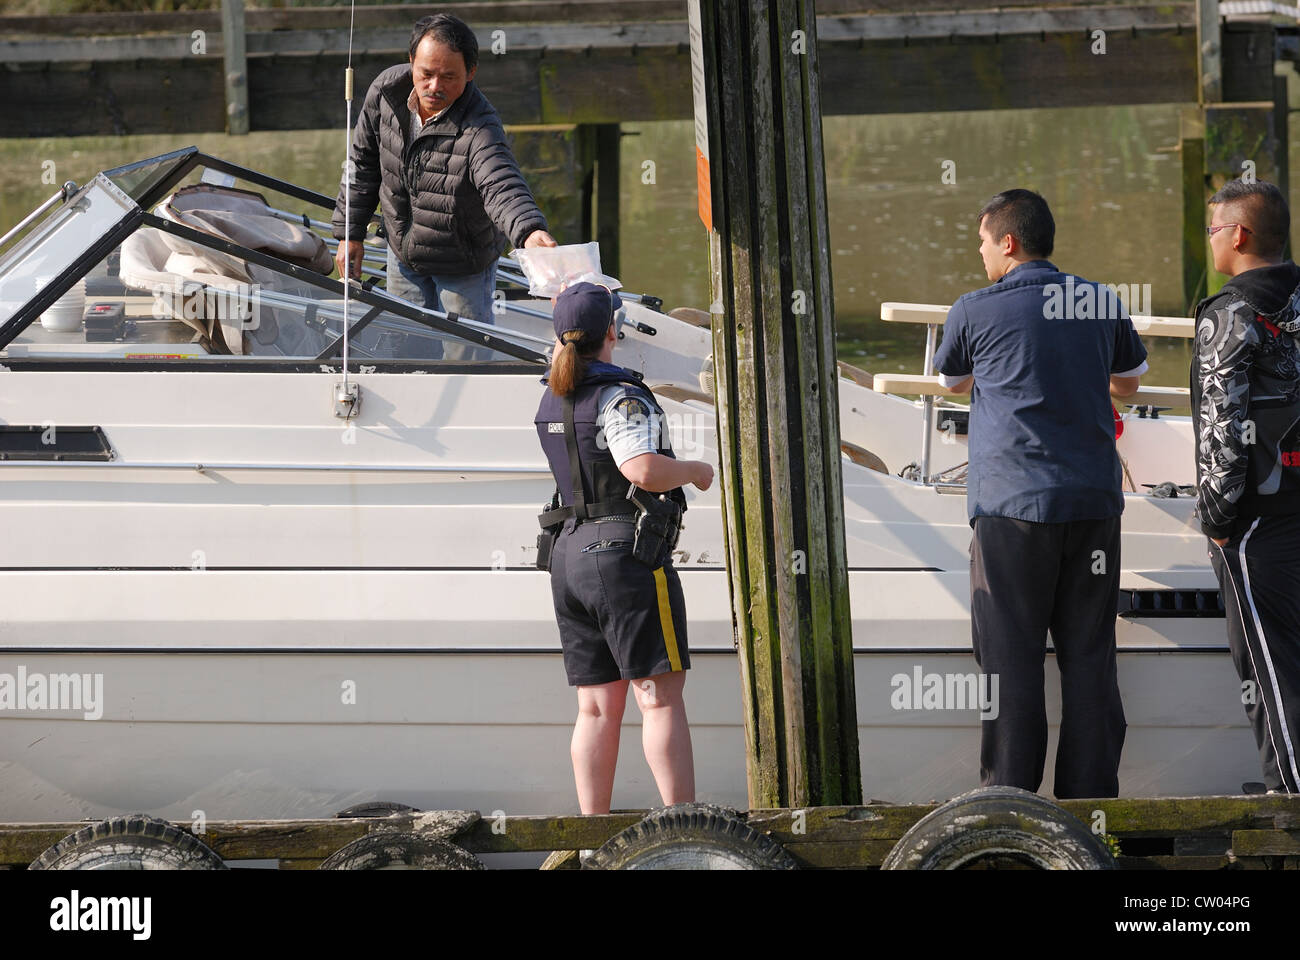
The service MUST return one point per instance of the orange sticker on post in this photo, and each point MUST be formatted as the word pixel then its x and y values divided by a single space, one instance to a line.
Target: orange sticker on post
pixel 699 95
pixel 704 188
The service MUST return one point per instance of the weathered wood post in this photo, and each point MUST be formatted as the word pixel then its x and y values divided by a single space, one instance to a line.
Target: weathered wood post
pixel 1191 143
pixel 236 66
pixel 763 198
pixel 605 222
pixel 597 160
pixel 1243 111
pixel 1209 52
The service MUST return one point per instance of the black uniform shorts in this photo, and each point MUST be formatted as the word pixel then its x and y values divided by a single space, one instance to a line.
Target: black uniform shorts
pixel 618 618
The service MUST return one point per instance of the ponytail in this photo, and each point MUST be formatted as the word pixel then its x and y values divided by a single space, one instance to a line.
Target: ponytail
pixel 569 364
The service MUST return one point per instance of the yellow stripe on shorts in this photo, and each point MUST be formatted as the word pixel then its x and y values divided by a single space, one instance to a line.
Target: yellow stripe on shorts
pixel 666 620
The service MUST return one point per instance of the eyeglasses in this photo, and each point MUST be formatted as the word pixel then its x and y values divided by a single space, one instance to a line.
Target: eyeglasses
pixel 1211 231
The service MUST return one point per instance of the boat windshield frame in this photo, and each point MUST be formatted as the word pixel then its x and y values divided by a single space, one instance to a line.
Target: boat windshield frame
pixel 173 166
pixel 142 197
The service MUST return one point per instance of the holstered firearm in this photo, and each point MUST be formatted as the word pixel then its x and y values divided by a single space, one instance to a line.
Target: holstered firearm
pixel 551 530
pixel 658 524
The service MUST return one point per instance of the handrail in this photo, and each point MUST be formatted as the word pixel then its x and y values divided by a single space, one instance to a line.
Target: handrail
pixel 915 384
pixel 936 313
pixel 65 191
pixel 849 372
pixel 204 467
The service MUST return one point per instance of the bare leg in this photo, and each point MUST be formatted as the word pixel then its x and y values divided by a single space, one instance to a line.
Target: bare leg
pixel 665 736
pixel 595 743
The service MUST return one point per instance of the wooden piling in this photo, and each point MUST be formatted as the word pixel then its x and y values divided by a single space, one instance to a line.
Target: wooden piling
pixel 758 123
pixel 597 155
pixel 1195 254
pixel 1282 139
pixel 236 66
pixel 1209 52
pixel 606 220
pixel 1242 115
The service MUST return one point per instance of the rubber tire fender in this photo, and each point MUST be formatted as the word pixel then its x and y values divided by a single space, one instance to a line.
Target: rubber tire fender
pixel 395 851
pixel 134 842
pixel 993 823
pixel 691 836
pixel 374 809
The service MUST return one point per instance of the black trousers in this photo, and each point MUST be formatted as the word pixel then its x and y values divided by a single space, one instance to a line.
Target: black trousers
pixel 1027 579
pixel 1259 578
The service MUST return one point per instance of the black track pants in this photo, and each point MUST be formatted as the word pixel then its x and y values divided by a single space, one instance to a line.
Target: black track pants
pixel 1259 577
pixel 1027 579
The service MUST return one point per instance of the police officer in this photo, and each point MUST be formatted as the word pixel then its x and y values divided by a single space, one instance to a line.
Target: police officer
pixel 618 600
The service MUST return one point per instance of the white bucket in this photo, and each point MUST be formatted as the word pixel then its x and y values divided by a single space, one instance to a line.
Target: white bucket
pixel 66 313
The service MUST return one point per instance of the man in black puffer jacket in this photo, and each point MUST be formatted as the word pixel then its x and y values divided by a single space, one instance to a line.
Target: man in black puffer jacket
pixel 1246 409
pixel 430 150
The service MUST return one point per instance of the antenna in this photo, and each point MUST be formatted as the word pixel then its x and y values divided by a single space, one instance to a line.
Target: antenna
pixel 347 191
pixel 347 395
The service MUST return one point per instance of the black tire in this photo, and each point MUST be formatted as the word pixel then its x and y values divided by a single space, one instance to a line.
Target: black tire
pixel 401 851
pixel 691 836
pixel 136 842
pixel 374 809
pixel 999 828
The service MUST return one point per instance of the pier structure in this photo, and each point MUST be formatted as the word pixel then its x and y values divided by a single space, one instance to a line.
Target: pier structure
pixel 1171 833
pixel 756 74
pixel 567 73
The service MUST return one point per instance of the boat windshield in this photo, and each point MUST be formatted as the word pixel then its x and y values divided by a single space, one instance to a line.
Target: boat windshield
pixel 223 266
pixel 57 243
pixel 136 180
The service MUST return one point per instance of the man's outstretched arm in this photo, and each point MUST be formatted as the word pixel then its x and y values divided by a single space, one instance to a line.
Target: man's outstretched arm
pixel 506 197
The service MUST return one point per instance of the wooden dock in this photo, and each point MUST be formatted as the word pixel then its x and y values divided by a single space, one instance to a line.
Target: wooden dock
pixel 565 73
pixel 1172 833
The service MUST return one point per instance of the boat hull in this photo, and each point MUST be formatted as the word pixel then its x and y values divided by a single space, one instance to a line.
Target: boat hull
pixel 248 736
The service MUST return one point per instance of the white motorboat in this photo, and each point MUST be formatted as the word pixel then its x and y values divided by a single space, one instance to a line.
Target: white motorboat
pixel 236 581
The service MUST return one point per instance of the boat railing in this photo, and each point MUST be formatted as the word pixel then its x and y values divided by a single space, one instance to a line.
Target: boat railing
pixel 927 386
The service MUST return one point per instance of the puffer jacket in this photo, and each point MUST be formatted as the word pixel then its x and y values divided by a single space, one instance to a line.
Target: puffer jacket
pixel 451 198
pixel 1245 386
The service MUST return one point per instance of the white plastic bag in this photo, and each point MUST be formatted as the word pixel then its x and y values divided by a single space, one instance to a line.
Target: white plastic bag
pixel 550 269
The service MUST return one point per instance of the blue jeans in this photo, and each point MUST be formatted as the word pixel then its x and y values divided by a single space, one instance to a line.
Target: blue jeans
pixel 469 296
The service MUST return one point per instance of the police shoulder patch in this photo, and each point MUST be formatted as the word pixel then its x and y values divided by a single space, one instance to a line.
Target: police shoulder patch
pixel 555 428
pixel 632 408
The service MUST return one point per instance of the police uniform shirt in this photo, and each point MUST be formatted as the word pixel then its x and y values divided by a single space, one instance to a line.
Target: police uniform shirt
pixel 629 425
pixel 1042 432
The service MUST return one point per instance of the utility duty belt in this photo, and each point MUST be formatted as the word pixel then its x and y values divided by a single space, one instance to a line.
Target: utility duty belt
pixel 658 521
pixel 658 516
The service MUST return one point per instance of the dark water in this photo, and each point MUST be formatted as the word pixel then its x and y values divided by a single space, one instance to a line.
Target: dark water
pixel 898 231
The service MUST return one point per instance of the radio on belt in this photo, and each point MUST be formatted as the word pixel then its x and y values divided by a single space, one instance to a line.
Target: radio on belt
pixel 105 321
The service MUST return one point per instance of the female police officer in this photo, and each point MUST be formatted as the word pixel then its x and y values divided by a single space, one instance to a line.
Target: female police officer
pixel 621 618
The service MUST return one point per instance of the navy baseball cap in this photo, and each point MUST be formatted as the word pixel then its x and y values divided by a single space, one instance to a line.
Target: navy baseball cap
pixel 585 306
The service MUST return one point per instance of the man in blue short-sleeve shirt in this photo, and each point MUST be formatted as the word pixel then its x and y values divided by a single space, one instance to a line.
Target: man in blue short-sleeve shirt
pixel 1041 353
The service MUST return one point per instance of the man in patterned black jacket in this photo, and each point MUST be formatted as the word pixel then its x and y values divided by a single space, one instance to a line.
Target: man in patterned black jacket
pixel 430 151
pixel 1246 408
